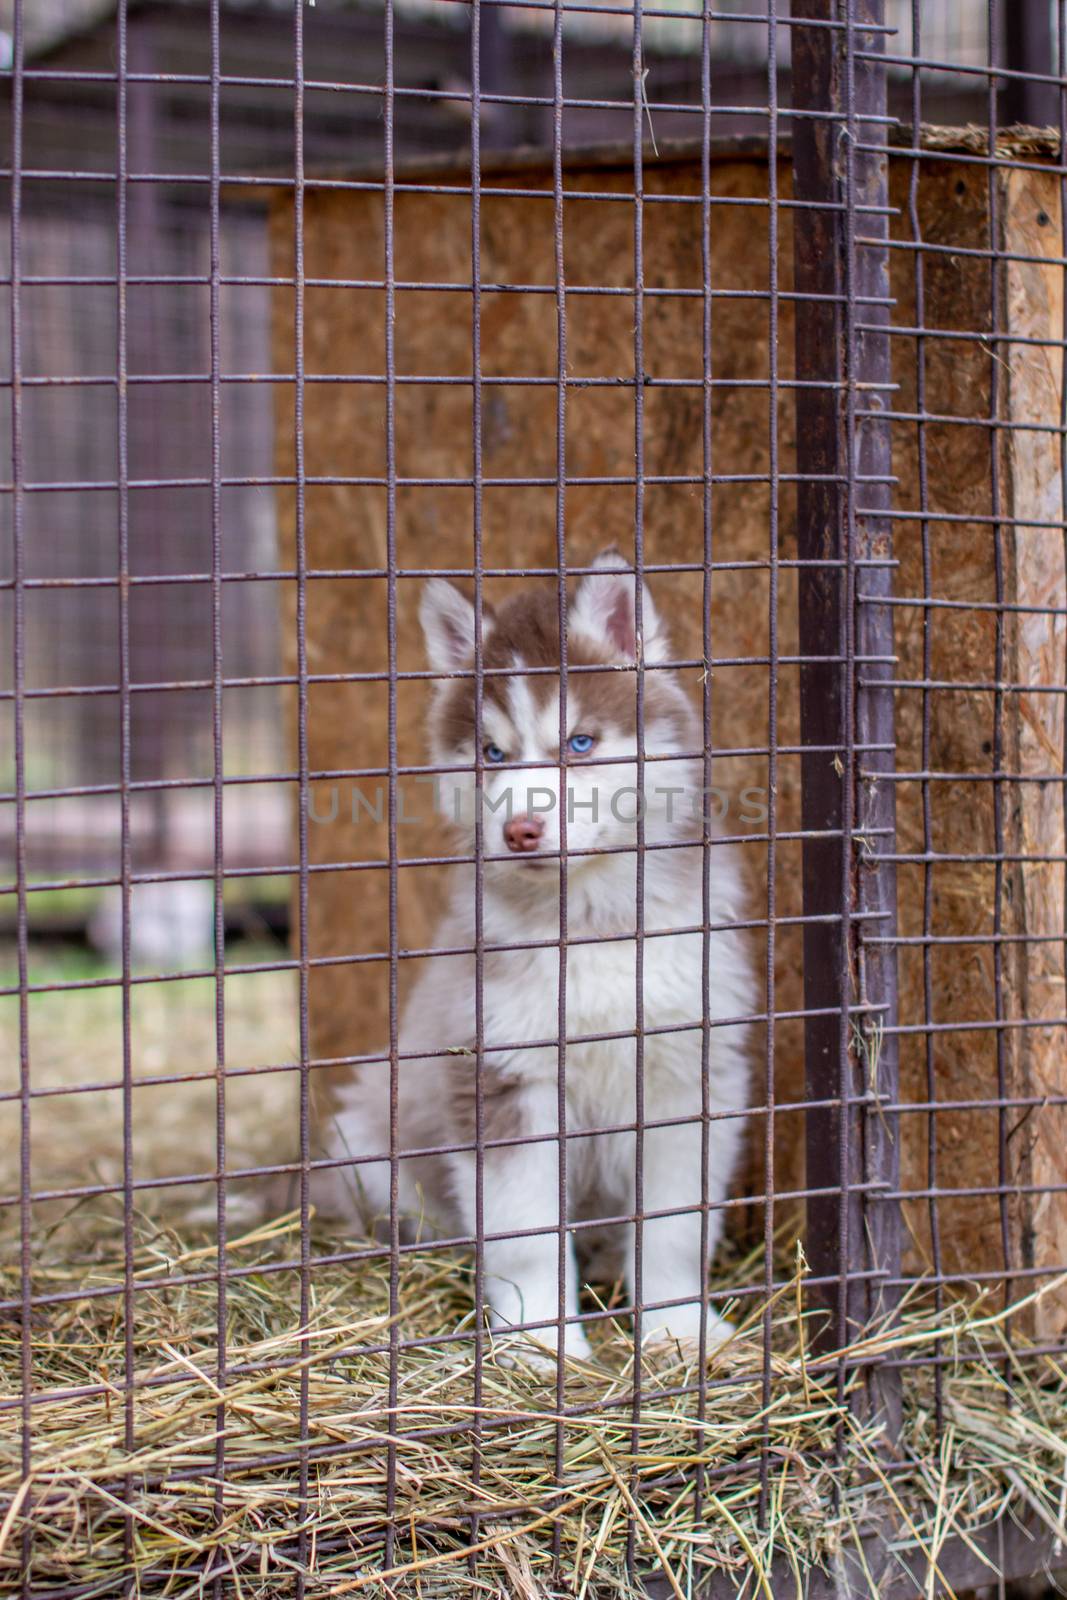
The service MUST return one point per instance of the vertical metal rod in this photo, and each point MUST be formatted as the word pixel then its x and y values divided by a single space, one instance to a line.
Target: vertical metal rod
pixel 150 348
pixel 1061 124
pixel 477 490
pixel 849 1140
pixel 870 535
pixel 389 114
pixel 706 731
pixel 122 187
pixel 218 767
pixel 996 300
pixel 303 803
pixel 819 268
pixel 772 730
pixel 19 684
pixel 561 562
pixel 639 766
pixel 922 457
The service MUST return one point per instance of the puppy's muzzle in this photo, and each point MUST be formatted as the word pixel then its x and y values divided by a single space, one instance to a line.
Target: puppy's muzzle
pixel 523 834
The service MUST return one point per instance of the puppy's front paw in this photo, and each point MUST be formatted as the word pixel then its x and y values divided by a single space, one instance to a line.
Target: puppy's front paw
pixel 539 1354
pixel 678 1329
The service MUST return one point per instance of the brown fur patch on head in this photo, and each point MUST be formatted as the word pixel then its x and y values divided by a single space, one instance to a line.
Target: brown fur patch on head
pixel 526 628
pixel 527 625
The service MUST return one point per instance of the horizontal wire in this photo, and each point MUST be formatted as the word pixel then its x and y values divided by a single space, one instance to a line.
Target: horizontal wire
pixel 336 774
pixel 282 680
pixel 380 1252
pixel 421 379
pixel 374 481
pixel 455 286
pixel 332 574
pixel 457 96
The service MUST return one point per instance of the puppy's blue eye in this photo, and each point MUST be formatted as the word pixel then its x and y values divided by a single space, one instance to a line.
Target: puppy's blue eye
pixel 580 743
pixel 493 752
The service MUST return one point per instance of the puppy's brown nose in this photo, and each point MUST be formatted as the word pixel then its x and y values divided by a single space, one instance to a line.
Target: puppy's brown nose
pixel 523 833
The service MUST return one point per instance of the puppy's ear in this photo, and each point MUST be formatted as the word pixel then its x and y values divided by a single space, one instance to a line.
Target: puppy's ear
pixel 447 618
pixel 604 610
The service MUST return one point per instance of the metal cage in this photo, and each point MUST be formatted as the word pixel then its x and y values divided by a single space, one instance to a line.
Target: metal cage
pixel 307 305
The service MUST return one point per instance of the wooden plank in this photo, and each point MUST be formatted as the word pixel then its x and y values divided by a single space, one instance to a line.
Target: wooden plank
pixel 1036 655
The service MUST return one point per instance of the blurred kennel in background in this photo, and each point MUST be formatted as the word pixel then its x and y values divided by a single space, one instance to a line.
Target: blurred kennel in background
pixel 69 339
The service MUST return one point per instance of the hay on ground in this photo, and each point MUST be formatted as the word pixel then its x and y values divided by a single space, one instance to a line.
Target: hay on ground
pixel 472 1469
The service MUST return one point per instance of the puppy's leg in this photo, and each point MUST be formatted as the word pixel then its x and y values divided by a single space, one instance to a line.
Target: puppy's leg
pixel 357 1127
pixel 520 1197
pixel 675 1248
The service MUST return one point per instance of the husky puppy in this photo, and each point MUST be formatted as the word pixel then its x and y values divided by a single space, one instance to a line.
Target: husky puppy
pixel 530 788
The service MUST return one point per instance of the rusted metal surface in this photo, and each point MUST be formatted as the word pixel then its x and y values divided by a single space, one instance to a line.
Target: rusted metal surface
pixel 842 503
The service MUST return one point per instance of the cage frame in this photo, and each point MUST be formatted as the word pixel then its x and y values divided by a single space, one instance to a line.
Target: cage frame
pixel 854 1238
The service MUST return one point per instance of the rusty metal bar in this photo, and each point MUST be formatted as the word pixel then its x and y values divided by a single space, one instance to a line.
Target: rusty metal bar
pixel 125 718
pixel 851 1144
pixel 302 938
pixel 218 771
pixel 19 752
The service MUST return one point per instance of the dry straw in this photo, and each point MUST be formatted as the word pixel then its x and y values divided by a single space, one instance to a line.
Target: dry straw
pixel 689 1492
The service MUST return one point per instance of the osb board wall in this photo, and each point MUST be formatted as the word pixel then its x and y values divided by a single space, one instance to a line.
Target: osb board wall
pixel 972 1151
pixel 346 530
pixel 1036 662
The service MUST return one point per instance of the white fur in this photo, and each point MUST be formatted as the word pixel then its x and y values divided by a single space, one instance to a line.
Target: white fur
pixel 520 1007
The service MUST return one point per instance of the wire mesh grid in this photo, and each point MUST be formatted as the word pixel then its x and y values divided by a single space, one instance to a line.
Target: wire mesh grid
pixel 721 458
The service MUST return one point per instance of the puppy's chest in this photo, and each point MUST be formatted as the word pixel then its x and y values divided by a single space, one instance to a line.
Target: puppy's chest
pixel 522 989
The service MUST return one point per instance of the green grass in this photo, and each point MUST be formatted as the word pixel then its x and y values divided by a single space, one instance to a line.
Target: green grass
pixel 77 1063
